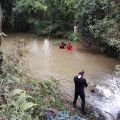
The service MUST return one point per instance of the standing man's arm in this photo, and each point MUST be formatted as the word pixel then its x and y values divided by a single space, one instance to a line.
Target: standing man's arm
pixel 85 83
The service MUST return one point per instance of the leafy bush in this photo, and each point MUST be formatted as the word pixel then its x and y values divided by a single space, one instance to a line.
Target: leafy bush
pixel 38 26
pixel 14 102
pixel 106 33
pixel 117 70
pixel 74 36
pixel 16 106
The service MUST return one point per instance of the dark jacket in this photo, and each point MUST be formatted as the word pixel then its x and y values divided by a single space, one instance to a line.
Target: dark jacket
pixel 80 84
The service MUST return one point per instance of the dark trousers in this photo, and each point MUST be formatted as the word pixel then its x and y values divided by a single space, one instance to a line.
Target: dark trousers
pixel 82 96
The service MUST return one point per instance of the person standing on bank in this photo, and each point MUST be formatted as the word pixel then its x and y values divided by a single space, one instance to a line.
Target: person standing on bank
pixel 80 84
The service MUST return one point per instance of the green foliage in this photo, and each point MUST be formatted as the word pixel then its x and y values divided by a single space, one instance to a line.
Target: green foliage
pixel 23 11
pixel 39 15
pixel 99 20
pixel 117 70
pixel 14 102
pixel 47 94
pixel 37 26
pixel 104 30
pixel 16 106
pixel 28 7
pixel 74 37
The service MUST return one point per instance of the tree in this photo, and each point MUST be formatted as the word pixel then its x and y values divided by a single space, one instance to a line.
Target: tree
pixel 1 17
pixel 5 8
pixel 99 22
pixel 39 15
pixel 30 11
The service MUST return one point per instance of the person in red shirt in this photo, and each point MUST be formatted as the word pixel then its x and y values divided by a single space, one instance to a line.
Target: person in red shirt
pixel 62 45
pixel 69 46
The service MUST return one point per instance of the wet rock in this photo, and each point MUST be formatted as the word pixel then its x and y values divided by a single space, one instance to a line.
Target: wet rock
pixel 1 61
pixel 93 91
pixel 118 116
pixel 3 99
pixel 92 113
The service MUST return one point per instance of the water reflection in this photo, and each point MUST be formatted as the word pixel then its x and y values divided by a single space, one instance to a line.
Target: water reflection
pixel 46 52
pixel 46 48
pixel 34 47
pixel 46 43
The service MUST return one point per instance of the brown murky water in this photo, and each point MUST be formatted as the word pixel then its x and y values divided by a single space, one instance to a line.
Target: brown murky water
pixel 45 59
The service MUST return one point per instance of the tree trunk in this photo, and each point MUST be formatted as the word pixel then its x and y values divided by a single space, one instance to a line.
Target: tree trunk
pixel 1 17
pixel 1 54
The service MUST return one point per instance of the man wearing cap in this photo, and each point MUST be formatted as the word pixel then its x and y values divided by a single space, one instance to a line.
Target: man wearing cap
pixel 80 84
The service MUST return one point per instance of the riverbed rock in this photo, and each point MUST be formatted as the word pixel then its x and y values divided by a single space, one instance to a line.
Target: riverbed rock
pixel 118 116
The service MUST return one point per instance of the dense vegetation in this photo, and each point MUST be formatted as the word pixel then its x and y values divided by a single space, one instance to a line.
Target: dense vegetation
pixel 97 20
pixel 40 17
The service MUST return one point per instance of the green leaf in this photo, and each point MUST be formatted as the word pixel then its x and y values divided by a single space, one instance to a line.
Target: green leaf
pixel 17 91
pixel 16 79
pixel 27 105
